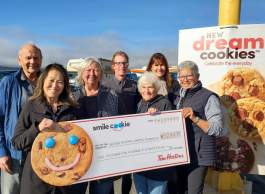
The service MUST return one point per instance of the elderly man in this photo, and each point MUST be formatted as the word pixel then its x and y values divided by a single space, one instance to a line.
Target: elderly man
pixel 14 92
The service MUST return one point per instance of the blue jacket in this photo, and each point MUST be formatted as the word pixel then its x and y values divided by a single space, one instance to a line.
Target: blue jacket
pixel 10 107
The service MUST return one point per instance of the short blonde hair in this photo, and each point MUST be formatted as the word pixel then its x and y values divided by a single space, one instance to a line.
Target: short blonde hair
pixel 149 78
pixel 86 63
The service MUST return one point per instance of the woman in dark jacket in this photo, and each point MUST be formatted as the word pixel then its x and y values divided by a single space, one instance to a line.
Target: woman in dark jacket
pixel 153 181
pixel 204 121
pixel 50 103
pixel 96 101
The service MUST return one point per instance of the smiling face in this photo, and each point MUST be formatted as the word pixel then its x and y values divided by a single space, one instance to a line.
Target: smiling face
pixel 92 74
pixel 30 60
pixel 61 158
pixel 186 78
pixel 148 91
pixel 158 68
pixel 120 66
pixel 53 85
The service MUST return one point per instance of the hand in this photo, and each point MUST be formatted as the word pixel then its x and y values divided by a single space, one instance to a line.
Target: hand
pixel 152 111
pixel 5 164
pixel 188 113
pixel 47 124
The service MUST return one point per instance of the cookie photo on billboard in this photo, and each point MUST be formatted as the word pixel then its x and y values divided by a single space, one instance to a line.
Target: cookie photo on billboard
pixel 240 83
pixel 61 157
pixel 247 118
pixel 236 157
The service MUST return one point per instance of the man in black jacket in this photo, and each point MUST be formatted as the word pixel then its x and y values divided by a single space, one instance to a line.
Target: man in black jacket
pixel 127 91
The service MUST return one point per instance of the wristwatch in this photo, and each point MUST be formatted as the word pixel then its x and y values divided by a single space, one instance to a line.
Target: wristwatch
pixel 196 120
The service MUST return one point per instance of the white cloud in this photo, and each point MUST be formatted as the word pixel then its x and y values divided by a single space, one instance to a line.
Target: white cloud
pixel 60 49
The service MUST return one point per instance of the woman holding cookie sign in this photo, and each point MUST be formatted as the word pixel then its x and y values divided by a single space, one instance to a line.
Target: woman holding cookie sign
pixel 50 103
pixel 204 121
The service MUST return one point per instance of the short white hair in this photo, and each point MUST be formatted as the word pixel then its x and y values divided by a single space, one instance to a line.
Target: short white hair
pixel 149 78
pixel 86 63
pixel 190 65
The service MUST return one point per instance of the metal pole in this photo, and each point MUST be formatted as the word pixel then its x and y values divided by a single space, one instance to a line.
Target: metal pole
pixel 229 12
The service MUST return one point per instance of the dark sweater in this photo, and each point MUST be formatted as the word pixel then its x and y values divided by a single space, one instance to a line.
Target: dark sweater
pixel 161 103
pixel 127 92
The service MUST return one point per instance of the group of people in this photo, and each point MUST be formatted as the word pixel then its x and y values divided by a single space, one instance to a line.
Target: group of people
pixel 31 101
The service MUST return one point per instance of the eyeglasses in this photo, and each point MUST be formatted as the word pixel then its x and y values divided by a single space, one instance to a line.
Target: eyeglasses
pixel 121 63
pixel 185 77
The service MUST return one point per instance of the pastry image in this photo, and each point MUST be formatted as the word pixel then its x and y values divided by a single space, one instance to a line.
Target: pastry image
pixel 241 83
pixel 239 157
pixel 247 118
pixel 61 157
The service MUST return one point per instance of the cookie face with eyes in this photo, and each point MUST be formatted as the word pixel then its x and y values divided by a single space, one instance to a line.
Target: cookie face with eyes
pixel 62 157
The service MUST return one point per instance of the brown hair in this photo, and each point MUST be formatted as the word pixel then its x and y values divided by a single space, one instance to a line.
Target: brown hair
pixel 163 60
pixel 66 95
pixel 121 53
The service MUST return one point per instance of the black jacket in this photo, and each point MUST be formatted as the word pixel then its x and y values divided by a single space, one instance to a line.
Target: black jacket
pixel 25 133
pixel 161 103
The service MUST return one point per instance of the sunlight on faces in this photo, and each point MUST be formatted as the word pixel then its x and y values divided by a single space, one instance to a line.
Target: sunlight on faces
pixel 148 91
pixel 120 66
pixel 92 74
pixel 53 85
pixel 158 68
pixel 30 60
pixel 186 78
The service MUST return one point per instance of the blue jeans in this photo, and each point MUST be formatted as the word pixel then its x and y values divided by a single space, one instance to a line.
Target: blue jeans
pixel 10 183
pixel 145 185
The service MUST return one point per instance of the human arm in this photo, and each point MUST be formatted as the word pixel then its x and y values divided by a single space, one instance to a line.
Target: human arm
pixel 213 125
pixel 5 163
pixel 3 102
pixel 26 129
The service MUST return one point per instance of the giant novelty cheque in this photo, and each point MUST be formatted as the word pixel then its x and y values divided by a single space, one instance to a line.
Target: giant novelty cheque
pixel 86 150
pixel 231 63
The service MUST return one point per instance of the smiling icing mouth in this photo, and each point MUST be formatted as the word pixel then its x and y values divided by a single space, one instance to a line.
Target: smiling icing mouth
pixel 62 168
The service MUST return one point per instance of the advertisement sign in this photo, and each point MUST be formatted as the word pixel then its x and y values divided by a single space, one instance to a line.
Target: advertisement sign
pixel 231 63
pixel 111 146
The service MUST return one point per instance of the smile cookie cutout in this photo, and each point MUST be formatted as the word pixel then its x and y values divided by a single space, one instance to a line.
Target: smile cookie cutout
pixel 61 157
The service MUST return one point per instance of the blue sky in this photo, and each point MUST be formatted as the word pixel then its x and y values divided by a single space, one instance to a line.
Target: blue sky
pixel 78 28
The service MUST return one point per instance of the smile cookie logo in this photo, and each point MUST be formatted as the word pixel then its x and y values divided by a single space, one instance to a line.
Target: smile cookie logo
pixel 62 157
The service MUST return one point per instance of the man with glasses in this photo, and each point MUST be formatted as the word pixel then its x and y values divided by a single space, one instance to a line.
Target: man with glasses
pixel 127 91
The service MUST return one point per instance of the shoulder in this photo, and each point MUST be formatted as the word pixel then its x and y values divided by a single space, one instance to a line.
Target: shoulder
pixel 8 79
pixel 209 92
pixel 108 82
pixel 131 82
pixel 165 100
pixel 104 90
pixel 163 103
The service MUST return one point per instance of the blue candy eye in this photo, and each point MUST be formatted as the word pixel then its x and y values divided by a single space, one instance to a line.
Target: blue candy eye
pixel 73 139
pixel 49 142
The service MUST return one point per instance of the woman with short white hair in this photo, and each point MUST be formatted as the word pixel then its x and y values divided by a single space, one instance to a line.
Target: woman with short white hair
pixel 153 181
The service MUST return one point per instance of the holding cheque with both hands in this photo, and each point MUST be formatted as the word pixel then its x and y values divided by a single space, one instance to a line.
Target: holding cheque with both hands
pixel 140 142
